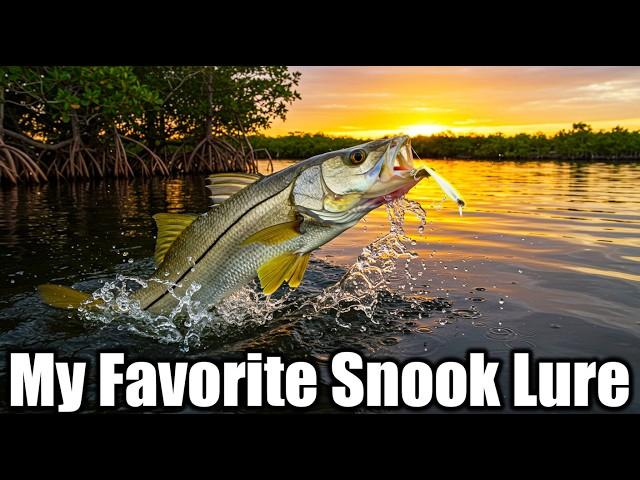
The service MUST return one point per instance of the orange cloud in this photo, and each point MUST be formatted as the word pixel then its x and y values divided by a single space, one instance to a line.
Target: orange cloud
pixel 372 101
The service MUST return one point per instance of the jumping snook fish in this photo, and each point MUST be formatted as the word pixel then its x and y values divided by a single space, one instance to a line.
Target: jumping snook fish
pixel 268 226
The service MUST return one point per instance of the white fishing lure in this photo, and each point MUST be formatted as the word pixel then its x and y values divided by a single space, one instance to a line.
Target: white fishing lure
pixel 447 188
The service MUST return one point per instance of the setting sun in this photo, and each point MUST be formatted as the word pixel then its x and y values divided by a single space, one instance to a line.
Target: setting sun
pixel 415 130
pixel 377 101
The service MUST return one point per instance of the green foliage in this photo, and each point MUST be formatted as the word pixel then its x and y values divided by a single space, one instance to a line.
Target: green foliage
pixel 301 145
pixel 224 100
pixel 85 121
pixel 43 101
pixel 581 142
pixel 162 103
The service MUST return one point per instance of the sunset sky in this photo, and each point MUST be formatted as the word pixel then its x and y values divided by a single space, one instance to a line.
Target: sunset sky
pixel 375 101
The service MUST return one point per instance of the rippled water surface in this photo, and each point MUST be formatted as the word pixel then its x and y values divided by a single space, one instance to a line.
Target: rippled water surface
pixel 546 257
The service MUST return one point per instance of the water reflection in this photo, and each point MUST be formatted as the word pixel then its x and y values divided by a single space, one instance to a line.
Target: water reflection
pixel 509 201
pixel 546 256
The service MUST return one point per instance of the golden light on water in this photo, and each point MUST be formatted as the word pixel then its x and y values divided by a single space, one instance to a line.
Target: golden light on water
pixel 523 213
pixel 518 212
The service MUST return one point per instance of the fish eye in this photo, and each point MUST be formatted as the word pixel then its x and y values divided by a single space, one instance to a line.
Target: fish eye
pixel 357 156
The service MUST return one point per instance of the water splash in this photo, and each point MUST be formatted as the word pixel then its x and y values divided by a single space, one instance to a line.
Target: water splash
pixel 189 322
pixel 359 290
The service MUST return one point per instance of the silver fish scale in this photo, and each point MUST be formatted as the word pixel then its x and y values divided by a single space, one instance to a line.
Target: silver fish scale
pixel 213 242
pixel 229 265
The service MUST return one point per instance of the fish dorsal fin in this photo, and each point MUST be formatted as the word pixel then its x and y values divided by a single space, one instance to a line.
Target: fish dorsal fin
pixel 170 226
pixel 223 185
pixel 288 267
pixel 275 234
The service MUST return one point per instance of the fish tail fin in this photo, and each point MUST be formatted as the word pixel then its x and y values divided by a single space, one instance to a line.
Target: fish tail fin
pixel 63 297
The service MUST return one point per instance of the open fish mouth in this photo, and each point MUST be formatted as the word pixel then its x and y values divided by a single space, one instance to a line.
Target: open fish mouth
pixel 398 158
pixel 397 174
pixel 396 171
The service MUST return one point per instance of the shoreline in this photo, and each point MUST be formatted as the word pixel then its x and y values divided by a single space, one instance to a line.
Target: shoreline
pixel 7 186
pixel 626 159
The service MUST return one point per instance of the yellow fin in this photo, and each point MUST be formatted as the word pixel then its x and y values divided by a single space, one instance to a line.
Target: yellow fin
pixel 288 267
pixel 223 185
pixel 64 297
pixel 170 226
pixel 298 273
pixel 275 234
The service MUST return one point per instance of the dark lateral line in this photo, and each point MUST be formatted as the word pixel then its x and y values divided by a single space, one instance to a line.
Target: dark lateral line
pixel 213 245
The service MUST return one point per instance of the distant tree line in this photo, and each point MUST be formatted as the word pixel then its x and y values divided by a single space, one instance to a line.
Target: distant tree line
pixel 85 122
pixel 301 145
pixel 579 143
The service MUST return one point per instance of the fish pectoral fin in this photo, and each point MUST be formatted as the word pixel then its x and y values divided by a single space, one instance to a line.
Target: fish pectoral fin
pixel 170 226
pixel 224 185
pixel 288 267
pixel 275 234
pixel 64 297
